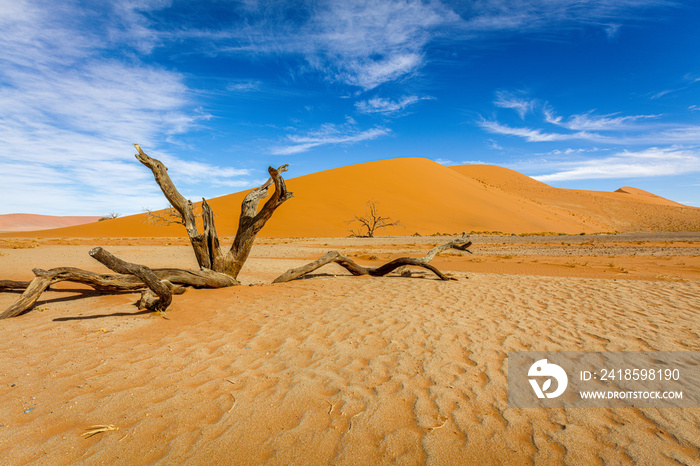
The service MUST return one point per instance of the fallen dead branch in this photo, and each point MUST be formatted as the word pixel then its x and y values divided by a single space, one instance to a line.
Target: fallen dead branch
pixel 114 282
pixel 161 292
pixel 334 256
pixel 13 285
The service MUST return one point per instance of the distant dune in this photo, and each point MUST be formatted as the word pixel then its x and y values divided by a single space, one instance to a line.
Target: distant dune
pixel 31 222
pixel 428 198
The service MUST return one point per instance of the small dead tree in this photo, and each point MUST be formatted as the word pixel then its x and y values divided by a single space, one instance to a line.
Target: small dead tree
pixel 110 216
pixel 168 216
pixel 372 221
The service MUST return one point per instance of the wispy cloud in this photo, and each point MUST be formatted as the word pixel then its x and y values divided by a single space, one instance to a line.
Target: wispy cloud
pixel 362 44
pixel 630 164
pixel 70 114
pixel 387 106
pixel 445 162
pixel 535 135
pixel 515 101
pixel 539 15
pixel 612 31
pixel 244 86
pixel 614 128
pixel 689 81
pixel 591 122
pixel 327 134
pixel 368 43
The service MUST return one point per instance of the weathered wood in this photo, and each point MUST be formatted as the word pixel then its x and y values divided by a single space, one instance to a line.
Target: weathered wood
pixel 206 245
pixel 217 269
pixel 251 221
pixel 145 274
pixel 404 261
pixel 13 285
pixel 150 300
pixel 179 203
pixel 28 298
pixel 344 261
pixel 113 282
pixel 332 256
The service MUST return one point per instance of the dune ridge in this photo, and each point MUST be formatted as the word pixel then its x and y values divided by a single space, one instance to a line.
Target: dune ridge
pixel 427 198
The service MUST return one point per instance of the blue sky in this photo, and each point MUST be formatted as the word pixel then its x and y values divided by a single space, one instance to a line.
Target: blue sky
pixel 577 93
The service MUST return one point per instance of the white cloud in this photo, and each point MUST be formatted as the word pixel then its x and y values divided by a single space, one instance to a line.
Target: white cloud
pixel 689 81
pixel 604 129
pixel 243 86
pixel 590 122
pixel 535 135
pixel 387 106
pixel 539 15
pixel 445 162
pixel 627 164
pixel 328 134
pixel 372 42
pixel 521 105
pixel 494 145
pixel 363 43
pixel 612 31
pixel 70 115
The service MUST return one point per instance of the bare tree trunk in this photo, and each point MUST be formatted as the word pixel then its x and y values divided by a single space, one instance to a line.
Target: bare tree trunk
pixel 334 256
pixel 251 221
pixel 206 245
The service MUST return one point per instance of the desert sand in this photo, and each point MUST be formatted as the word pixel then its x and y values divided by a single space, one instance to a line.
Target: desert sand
pixel 337 369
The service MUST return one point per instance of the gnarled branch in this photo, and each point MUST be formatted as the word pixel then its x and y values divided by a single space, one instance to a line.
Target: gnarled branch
pixel 334 256
pixel 206 245
pixel 114 282
pixel 142 272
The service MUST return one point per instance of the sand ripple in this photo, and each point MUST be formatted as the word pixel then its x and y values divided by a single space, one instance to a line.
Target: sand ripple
pixel 347 370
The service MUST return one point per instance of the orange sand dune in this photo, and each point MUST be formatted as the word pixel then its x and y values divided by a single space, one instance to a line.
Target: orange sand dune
pixel 641 192
pixel 627 209
pixel 427 198
pixel 31 222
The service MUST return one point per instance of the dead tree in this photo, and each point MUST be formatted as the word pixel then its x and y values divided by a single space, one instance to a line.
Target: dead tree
pixel 217 268
pixel 168 216
pixel 372 221
pixel 334 256
pixel 206 244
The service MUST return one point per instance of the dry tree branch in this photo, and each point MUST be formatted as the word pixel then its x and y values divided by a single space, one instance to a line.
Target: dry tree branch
pixel 461 244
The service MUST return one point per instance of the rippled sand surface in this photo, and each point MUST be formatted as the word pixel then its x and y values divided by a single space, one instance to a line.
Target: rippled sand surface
pixel 340 370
